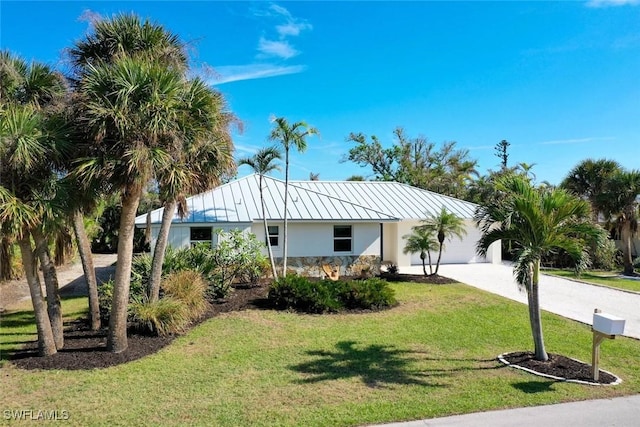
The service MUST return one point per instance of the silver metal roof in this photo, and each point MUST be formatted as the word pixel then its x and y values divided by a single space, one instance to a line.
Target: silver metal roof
pixel 239 202
pixel 398 200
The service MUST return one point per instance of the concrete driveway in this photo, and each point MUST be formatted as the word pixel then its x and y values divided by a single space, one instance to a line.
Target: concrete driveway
pixel 561 296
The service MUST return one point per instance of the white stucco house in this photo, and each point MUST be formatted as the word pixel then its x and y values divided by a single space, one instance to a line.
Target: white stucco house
pixel 353 224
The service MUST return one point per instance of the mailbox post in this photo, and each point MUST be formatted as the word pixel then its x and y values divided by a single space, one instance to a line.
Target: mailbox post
pixel 604 326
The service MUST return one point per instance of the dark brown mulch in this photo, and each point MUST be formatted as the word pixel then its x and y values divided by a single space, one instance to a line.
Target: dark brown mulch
pixel 86 349
pixel 558 366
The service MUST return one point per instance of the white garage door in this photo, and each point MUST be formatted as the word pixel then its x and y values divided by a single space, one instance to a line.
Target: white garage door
pixel 456 251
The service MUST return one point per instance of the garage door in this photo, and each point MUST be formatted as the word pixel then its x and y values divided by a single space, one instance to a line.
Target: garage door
pixel 456 251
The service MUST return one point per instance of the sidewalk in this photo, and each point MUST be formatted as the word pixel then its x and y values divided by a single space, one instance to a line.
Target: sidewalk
pixel 619 412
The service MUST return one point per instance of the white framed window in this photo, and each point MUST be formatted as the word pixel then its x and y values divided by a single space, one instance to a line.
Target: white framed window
pixel 274 235
pixel 200 235
pixel 342 238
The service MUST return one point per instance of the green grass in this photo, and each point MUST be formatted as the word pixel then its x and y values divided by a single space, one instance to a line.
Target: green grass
pixel 433 355
pixel 604 278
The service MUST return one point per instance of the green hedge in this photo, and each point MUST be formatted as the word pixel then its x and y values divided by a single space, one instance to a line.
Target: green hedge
pixel 302 294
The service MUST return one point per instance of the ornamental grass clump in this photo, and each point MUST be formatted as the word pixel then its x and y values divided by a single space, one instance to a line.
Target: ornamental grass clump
pixel 189 287
pixel 163 317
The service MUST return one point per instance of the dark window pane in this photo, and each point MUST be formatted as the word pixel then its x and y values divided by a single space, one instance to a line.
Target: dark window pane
pixel 341 231
pixel 201 233
pixel 273 240
pixel 342 245
pixel 273 230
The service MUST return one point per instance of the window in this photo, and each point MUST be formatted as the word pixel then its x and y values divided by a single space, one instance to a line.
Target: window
pixel 200 235
pixel 342 236
pixel 274 232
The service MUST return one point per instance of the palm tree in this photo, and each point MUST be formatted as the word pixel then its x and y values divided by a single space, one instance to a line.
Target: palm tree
pixel 588 179
pixel 421 240
pixel 30 152
pixel 537 221
pixel 262 163
pixel 446 225
pixel 128 79
pixel 289 135
pixel 619 202
pixel 199 161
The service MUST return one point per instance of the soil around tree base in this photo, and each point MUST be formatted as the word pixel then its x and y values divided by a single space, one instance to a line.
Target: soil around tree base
pixel 558 366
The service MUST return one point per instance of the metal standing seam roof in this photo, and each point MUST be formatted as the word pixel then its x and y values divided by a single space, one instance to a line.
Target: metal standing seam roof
pixel 239 202
pixel 399 200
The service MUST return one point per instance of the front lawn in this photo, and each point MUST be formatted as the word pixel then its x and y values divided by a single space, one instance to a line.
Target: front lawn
pixel 432 355
pixel 605 278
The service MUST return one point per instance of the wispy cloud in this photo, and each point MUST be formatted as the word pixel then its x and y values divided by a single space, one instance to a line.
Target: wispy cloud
pixel 611 3
pixel 234 73
pixel 577 140
pixel 279 48
pixel 292 28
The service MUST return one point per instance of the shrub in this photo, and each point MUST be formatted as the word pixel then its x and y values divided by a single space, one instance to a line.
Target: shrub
pixel 105 296
pixel 302 294
pixel 604 257
pixel 141 270
pixel 189 287
pixel 166 316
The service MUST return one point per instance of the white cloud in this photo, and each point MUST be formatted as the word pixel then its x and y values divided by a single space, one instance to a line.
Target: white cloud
pixel 280 11
pixel 577 140
pixel 234 73
pixel 279 48
pixel 292 28
pixel 611 3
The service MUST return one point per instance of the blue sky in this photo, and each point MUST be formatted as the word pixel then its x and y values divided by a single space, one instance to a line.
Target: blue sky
pixel 559 80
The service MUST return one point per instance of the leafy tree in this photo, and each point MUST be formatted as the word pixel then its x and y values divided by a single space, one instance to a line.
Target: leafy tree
pixel 422 240
pixel 415 161
pixel 356 178
pixel 289 135
pixel 537 221
pixel 445 225
pixel 262 163
pixel 501 152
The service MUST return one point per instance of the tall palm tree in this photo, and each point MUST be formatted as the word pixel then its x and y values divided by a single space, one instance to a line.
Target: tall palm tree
pixel 446 225
pixel 200 160
pixel 130 109
pixel 262 163
pixel 128 75
pixel 30 153
pixel 537 221
pixel 620 203
pixel 588 179
pixel 421 240
pixel 289 135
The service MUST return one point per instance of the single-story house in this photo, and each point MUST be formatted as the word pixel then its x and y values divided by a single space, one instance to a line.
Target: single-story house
pixel 352 224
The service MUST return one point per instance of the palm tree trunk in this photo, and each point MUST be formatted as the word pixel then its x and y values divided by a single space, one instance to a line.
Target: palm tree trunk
pixel 430 266
pixel 54 307
pixel 286 198
pixel 46 343
pixel 534 313
pixel 6 253
pixel 117 336
pixel 424 266
pixel 266 233
pixel 159 251
pixel 86 258
pixel 439 256
pixel 625 235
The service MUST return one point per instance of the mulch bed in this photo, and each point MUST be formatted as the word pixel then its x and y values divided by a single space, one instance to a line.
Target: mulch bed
pixel 558 366
pixel 417 278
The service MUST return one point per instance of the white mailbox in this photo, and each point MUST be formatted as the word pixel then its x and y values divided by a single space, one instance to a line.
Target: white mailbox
pixel 608 324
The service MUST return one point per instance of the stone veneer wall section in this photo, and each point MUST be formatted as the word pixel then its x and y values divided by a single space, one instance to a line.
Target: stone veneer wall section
pixel 348 265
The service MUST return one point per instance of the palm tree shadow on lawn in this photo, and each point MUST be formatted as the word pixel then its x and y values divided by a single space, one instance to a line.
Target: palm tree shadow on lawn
pixel 378 366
